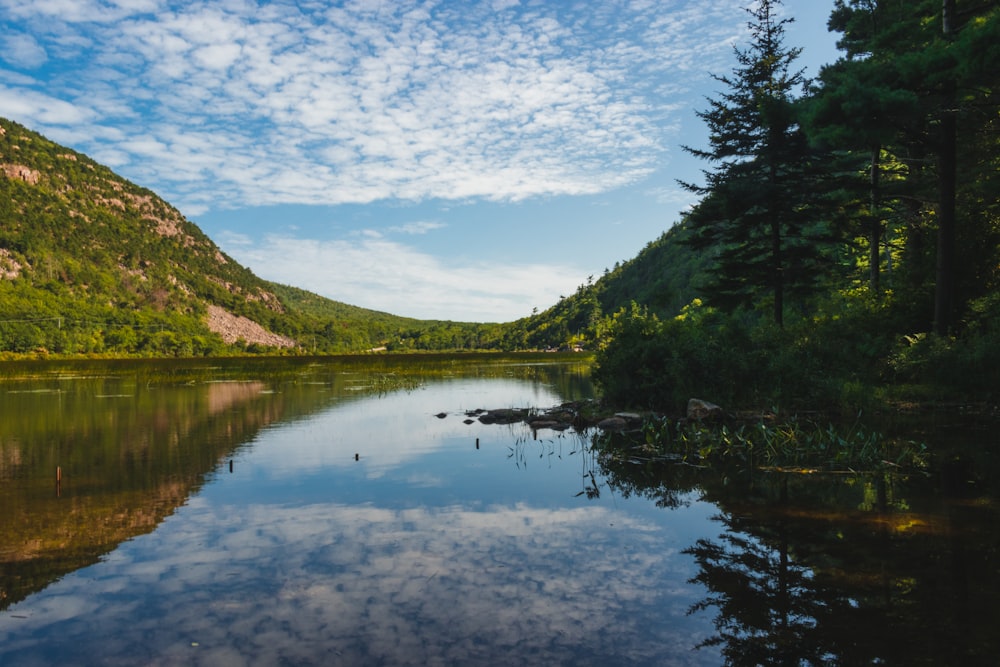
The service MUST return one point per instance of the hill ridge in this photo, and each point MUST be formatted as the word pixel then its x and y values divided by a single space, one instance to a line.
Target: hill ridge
pixel 91 262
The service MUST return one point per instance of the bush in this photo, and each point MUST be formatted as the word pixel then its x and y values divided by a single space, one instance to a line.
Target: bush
pixel 831 361
pixel 661 364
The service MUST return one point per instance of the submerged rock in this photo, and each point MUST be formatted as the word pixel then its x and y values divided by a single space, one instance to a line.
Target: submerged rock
pixel 539 424
pixel 503 416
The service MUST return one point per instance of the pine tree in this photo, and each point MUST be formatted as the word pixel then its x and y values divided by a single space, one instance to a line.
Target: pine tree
pixel 862 111
pixel 918 84
pixel 755 202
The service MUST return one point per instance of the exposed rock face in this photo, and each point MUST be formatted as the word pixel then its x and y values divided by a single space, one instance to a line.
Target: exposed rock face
pixel 19 172
pixel 235 327
pixel 10 268
pixel 700 410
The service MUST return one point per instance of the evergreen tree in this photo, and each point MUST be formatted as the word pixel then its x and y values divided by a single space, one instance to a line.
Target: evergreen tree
pixel 754 208
pixel 866 114
pixel 915 87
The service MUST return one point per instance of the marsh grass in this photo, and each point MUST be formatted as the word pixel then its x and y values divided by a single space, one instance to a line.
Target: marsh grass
pixel 799 445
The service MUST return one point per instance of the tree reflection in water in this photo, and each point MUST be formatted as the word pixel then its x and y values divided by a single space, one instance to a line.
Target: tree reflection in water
pixel 767 606
pixel 837 569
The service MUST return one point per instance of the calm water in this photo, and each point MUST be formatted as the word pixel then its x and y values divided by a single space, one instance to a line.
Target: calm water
pixel 297 512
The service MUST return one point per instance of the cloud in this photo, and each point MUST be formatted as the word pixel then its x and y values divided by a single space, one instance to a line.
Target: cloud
pixel 417 228
pixel 79 11
pixel 411 100
pixel 16 102
pixel 374 272
pixel 22 50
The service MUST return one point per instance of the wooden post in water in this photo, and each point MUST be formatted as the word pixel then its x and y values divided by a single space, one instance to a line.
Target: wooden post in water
pixel 477 443
pixel 58 481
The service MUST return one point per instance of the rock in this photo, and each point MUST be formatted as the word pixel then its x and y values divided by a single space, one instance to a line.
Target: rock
pixel 18 172
pixel 555 425
pixel 236 327
pixel 700 410
pixel 613 424
pixel 504 416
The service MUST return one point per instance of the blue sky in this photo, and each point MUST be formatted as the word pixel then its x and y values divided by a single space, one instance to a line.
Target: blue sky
pixel 434 159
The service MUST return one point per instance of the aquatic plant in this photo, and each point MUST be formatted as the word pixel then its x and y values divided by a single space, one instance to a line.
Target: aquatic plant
pixel 800 445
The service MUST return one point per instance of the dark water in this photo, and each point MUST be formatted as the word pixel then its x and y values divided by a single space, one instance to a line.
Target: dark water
pixel 302 512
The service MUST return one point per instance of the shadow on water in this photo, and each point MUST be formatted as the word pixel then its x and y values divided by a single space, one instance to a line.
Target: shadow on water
pixel 881 568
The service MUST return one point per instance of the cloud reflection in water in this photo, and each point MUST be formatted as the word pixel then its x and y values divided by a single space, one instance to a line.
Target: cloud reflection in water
pixel 424 552
pixel 260 584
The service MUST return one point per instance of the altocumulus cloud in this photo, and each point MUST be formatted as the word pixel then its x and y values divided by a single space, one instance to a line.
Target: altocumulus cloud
pixel 234 103
pixel 229 104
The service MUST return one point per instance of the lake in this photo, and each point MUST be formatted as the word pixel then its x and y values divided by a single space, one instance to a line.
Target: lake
pixel 357 511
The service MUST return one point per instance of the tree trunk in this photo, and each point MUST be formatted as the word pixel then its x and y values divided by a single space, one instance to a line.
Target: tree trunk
pixel 944 291
pixel 875 228
pixel 777 273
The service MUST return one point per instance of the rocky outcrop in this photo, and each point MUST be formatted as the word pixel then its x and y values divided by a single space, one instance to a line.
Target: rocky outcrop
pixel 10 268
pixel 236 327
pixel 18 172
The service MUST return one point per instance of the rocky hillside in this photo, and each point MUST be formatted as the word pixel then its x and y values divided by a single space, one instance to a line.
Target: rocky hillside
pixel 91 263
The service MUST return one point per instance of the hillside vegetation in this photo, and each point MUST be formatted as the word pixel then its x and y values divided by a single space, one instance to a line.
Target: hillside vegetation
pixel 93 264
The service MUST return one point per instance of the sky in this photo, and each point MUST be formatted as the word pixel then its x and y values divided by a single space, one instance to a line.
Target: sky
pixel 437 159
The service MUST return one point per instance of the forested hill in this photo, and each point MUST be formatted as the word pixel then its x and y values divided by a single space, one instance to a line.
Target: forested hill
pixel 866 195
pixel 93 264
pixel 663 277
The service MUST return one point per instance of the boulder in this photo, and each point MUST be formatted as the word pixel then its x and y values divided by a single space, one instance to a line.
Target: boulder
pixel 700 410
pixel 613 424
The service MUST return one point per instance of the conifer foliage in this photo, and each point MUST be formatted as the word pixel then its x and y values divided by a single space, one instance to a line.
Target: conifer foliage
pixel 755 208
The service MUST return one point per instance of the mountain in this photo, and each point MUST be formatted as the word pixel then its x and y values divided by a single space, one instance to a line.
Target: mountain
pixel 91 263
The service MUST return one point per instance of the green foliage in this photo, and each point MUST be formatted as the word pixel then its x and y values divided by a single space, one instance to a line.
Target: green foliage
pixel 832 359
pixel 756 213
pixel 660 364
pixel 876 115
pixel 662 278
pixel 966 363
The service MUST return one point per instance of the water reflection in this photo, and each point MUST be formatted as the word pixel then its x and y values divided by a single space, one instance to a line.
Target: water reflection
pixel 850 570
pixel 362 585
pixel 424 550
pixel 321 513
pixel 85 467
